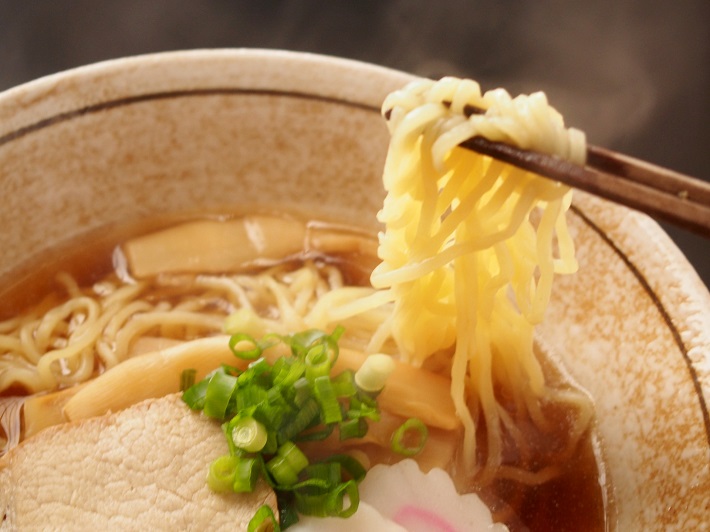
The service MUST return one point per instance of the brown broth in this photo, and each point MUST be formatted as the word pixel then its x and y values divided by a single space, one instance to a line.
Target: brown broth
pixel 577 499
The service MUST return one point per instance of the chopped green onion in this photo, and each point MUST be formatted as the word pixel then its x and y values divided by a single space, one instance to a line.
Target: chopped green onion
pixel 300 342
pixel 248 434
pixel 194 396
pixel 289 372
pixel 337 333
pixel 365 407
pixel 301 421
pixel 374 372
pixel 325 395
pixel 336 499
pixel 287 464
pixel 263 520
pixel 329 503
pixel 255 370
pixel 293 455
pixel 246 475
pixel 276 411
pixel 244 346
pixel 248 396
pixel 269 340
pixel 331 348
pixel 309 503
pixel 317 363
pixel 272 443
pixel 266 408
pixel 350 465
pixel 403 433
pixel 222 472
pixel 219 391
pixel 187 379
pixel 330 473
pixel 344 384
pixel 315 435
pixel 288 515
pixel 281 471
pixel 301 391
pixel 353 428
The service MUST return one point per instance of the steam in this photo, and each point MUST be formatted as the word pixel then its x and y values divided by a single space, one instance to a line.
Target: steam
pixel 605 65
pixel 608 66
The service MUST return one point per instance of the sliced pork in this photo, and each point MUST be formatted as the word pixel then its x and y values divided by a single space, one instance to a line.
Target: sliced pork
pixel 143 468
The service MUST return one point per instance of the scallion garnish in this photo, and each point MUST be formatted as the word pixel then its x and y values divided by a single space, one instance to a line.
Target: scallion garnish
pixel 187 378
pixel 329 405
pixel 246 475
pixel 287 464
pixel 221 474
pixel 412 429
pixel 194 396
pixel 267 408
pixel 353 428
pixel 248 434
pixel 264 519
pixel 371 377
pixel 220 388
pixel 244 346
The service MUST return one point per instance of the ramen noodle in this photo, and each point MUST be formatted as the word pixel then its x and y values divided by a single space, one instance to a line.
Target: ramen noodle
pixel 471 246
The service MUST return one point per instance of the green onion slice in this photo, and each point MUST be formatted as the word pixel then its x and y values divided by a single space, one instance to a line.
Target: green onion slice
pixel 187 379
pixel 244 346
pixel 222 472
pixel 194 396
pixel 349 465
pixel 329 503
pixel 317 363
pixel 316 434
pixel 325 395
pixel 301 421
pixel 220 388
pixel 263 520
pixel 282 472
pixel 336 499
pixel 374 372
pixel 415 428
pixel 246 475
pixel 293 456
pixel 344 384
pixel 248 434
pixel 353 428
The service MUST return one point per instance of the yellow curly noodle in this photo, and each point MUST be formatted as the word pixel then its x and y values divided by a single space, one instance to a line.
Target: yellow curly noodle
pixel 98 327
pixel 471 245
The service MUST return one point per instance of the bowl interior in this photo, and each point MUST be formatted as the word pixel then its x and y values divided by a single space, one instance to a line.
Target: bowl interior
pixel 230 130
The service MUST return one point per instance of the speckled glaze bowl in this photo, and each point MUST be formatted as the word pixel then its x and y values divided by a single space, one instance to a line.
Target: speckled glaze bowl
pixel 209 131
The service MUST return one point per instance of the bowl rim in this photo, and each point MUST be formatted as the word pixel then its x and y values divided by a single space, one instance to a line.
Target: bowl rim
pixel 40 98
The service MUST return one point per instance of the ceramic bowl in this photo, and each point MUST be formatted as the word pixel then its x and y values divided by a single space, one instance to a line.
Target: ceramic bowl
pixel 216 130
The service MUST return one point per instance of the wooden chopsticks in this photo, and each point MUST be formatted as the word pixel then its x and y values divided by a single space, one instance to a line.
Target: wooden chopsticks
pixel 659 192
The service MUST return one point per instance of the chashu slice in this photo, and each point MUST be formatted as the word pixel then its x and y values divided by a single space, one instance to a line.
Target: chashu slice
pixel 143 468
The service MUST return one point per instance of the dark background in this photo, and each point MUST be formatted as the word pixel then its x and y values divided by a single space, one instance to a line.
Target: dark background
pixel 634 74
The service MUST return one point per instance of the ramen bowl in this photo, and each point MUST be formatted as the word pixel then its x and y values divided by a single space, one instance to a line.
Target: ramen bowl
pixel 217 131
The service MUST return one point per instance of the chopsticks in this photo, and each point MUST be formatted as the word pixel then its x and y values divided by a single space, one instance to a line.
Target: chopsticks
pixel 659 192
